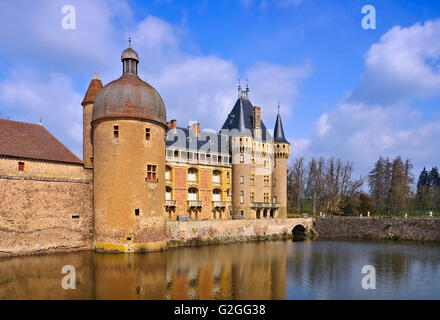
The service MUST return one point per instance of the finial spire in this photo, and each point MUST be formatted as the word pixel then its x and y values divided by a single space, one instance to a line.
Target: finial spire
pixel 96 75
pixel 278 106
pixel 129 41
pixel 41 121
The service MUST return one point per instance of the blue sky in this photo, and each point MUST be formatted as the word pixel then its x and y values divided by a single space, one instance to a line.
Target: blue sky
pixel 344 91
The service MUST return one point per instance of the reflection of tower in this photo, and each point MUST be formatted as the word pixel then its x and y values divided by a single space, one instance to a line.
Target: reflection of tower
pixel 129 121
pixel 93 90
pixel 279 175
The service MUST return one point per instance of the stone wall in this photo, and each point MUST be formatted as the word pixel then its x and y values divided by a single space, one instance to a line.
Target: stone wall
pixel 197 232
pixel 39 216
pixel 382 228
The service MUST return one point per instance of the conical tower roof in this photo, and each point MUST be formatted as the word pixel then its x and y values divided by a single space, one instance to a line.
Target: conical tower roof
pixel 278 133
pixel 94 87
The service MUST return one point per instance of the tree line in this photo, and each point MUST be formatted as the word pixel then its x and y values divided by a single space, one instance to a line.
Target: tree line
pixel 328 186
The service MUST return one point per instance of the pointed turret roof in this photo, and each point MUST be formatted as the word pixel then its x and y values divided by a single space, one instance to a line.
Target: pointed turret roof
pixel 94 87
pixel 278 132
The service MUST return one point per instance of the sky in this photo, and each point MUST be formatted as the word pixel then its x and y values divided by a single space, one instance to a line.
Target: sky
pixel 344 91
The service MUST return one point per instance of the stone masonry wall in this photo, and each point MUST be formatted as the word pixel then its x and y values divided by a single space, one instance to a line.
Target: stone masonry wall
pixel 44 216
pixel 197 232
pixel 382 228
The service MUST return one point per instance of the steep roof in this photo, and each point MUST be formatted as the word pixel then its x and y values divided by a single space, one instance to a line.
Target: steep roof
pixel 278 132
pixel 33 141
pixel 241 119
pixel 207 140
pixel 94 87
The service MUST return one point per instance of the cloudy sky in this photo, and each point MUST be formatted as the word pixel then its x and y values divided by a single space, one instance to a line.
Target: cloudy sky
pixel 344 91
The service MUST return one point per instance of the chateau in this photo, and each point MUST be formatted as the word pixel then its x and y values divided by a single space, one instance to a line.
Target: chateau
pixel 139 172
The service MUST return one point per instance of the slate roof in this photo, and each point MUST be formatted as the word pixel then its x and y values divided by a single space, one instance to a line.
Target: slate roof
pixel 241 119
pixel 208 140
pixel 278 132
pixel 32 141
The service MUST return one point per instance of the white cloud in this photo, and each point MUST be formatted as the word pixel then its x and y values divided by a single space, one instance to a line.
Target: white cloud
pixel 322 125
pixel 29 97
pixel 404 64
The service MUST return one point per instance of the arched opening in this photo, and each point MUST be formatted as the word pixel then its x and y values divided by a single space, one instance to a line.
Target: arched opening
pixel 216 174
pixel 299 232
pixel 192 175
pixel 216 195
pixel 168 193
pixel 168 174
pixel 272 214
pixel 192 194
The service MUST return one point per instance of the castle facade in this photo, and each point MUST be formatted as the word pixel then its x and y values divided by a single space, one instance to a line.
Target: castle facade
pixel 139 170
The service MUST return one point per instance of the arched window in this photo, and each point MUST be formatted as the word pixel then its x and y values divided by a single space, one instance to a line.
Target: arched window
pixel 216 195
pixel 168 173
pixel 216 175
pixel 192 175
pixel 168 193
pixel 192 194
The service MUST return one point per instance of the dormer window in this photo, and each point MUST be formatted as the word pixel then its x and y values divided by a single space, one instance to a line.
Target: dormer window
pixel 147 134
pixel 116 132
pixel 21 166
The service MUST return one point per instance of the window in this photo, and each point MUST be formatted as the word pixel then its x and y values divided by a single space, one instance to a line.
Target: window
pixel 274 199
pixel 213 215
pixel 151 173
pixel 252 179
pixel 216 195
pixel 266 181
pixel 241 179
pixel 228 178
pixel 241 213
pixel 266 197
pixel 241 158
pixel 167 173
pixel 147 133
pixel 274 183
pixel 116 132
pixel 252 197
pixel 76 217
pixel 241 197
pixel 91 160
pixel 228 195
pixel 168 193
pixel 128 238
pixel 136 212
pixel 21 166
pixel 192 175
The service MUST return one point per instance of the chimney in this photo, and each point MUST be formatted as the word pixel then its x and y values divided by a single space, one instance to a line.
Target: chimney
pixel 174 124
pixel 195 127
pixel 257 118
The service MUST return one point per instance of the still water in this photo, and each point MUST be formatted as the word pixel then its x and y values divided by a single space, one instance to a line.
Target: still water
pixel 265 270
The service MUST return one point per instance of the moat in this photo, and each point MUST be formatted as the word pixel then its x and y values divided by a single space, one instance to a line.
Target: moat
pixel 311 269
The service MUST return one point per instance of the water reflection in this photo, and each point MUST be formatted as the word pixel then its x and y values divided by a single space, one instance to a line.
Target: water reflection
pixel 265 270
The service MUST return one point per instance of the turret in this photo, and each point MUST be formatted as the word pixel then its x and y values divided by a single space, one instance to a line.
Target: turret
pixel 279 175
pixel 87 103
pixel 129 122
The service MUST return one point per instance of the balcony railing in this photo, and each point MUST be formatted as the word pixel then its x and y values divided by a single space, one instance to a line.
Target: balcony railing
pixel 219 204
pixel 265 205
pixel 195 203
pixel 192 181
pixel 170 203
pixel 216 184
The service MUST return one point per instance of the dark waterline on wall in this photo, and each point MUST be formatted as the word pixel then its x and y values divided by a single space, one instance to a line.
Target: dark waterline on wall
pixel 317 269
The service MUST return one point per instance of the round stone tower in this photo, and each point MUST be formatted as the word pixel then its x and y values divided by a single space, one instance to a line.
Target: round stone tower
pixel 128 124
pixel 279 174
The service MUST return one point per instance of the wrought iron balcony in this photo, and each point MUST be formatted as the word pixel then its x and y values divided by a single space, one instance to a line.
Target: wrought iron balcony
pixel 219 204
pixel 195 203
pixel 170 203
